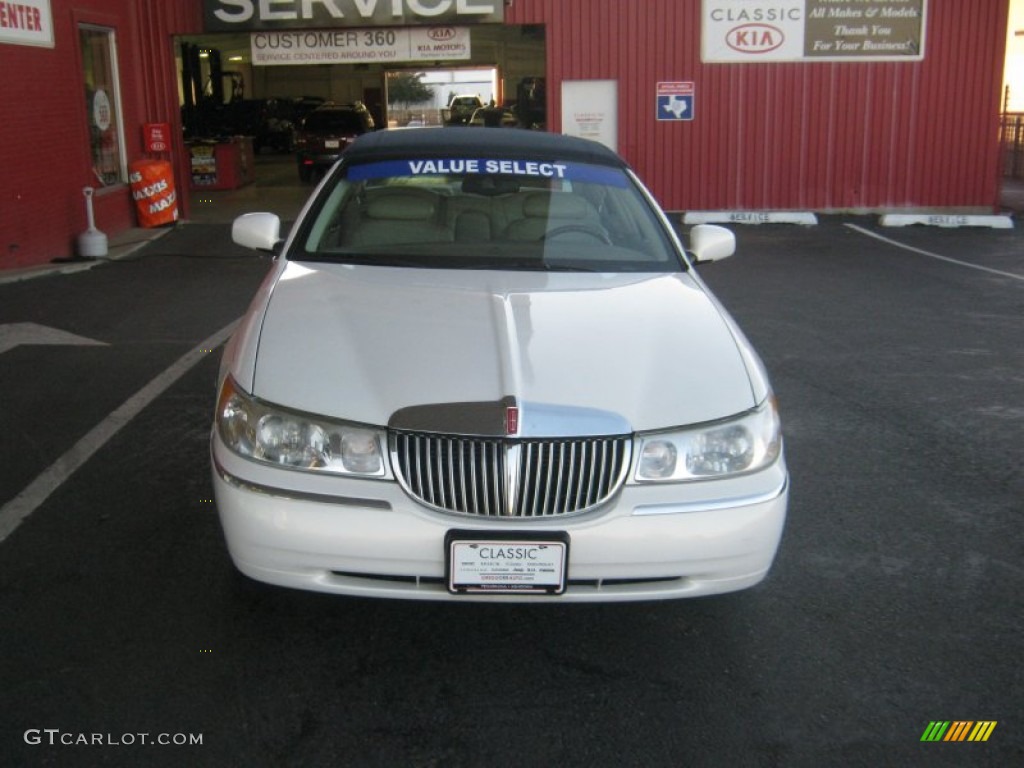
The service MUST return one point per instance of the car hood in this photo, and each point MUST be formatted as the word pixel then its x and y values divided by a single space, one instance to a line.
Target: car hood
pixel 361 343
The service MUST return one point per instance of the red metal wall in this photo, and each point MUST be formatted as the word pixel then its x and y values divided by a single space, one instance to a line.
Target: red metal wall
pixel 44 140
pixel 816 136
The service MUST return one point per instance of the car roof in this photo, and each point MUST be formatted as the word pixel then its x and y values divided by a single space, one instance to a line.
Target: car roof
pixel 513 143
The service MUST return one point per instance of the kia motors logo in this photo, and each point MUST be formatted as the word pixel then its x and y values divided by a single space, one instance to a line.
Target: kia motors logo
pixel 441 34
pixel 755 38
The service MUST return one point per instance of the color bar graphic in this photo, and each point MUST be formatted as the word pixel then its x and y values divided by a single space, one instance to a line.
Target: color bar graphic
pixel 982 730
pixel 958 730
pixel 935 731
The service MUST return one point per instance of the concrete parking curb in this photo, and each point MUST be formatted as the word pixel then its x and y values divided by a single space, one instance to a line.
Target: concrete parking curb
pixel 120 247
pixel 946 220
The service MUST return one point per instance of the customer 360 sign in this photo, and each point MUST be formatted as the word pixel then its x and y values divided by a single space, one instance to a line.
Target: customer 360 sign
pixel 812 30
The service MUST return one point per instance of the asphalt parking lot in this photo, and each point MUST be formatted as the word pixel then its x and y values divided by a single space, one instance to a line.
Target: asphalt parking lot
pixel 896 600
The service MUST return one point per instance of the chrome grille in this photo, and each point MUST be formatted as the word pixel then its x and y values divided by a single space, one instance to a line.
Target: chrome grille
pixel 495 477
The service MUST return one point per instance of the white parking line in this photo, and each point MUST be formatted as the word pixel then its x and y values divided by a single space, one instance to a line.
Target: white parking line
pixel 947 259
pixel 35 493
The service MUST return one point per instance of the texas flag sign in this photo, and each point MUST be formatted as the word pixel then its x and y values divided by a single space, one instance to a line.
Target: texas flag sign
pixel 675 101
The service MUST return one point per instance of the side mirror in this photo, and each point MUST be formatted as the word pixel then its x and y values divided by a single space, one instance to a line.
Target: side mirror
pixel 709 242
pixel 261 231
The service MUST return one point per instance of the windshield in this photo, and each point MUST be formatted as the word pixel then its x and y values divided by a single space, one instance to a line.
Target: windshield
pixel 486 213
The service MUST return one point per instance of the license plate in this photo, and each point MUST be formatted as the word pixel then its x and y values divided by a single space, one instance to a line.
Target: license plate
pixel 479 562
pixel 331 143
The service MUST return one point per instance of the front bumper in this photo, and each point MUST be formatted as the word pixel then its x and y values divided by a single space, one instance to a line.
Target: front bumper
pixel 367 538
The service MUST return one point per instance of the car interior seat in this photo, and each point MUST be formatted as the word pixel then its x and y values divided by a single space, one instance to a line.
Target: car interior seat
pixel 547 211
pixel 395 216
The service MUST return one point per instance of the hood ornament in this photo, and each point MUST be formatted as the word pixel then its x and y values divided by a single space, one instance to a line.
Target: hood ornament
pixel 512 421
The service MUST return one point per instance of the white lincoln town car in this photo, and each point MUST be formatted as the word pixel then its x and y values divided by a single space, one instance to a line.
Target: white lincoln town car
pixel 483 367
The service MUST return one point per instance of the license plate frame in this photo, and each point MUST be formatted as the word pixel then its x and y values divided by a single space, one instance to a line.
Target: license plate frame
pixel 506 563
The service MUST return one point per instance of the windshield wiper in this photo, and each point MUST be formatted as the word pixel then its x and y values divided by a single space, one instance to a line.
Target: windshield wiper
pixel 364 259
pixel 535 265
pixel 566 268
pixel 435 262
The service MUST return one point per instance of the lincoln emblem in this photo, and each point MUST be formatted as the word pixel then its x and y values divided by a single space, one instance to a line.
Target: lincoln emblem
pixel 512 420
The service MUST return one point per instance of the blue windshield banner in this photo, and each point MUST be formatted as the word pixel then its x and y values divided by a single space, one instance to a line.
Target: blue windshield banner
pixel 466 166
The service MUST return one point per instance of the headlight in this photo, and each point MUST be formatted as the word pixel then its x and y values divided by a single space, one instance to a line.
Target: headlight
pixel 275 435
pixel 745 443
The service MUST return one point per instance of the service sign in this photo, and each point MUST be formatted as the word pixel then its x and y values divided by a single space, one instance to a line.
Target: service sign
pixel 755 31
pixel 243 15
pixel 26 22
pixel 360 46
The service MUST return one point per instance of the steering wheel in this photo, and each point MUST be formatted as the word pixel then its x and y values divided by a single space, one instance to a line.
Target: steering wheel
pixel 597 234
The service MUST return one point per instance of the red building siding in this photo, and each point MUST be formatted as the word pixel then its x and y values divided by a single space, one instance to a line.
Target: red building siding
pixel 44 140
pixel 821 136
pixel 798 136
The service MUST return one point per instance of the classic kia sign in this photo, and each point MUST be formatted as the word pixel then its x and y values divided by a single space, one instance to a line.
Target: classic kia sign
pixel 752 30
pixel 734 31
pixel 755 38
pixel 236 15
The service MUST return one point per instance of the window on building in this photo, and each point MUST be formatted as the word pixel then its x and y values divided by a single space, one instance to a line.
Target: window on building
pixel 103 104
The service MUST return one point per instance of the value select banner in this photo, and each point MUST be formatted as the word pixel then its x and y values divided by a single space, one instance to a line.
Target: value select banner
pixel 356 46
pixel 812 30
